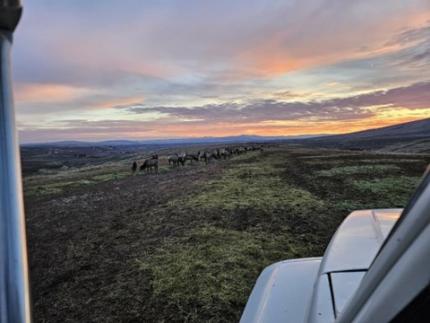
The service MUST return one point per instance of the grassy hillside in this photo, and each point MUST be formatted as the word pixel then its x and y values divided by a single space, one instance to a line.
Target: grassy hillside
pixel 189 243
pixel 410 137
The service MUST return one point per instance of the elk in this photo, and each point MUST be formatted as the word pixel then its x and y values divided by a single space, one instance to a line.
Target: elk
pixel 173 160
pixel 150 164
pixel 134 167
pixel 191 157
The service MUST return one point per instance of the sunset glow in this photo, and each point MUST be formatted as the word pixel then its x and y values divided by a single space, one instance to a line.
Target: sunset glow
pixel 172 69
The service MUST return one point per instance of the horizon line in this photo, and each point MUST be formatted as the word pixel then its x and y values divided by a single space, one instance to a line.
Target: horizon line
pixel 171 139
pixel 95 141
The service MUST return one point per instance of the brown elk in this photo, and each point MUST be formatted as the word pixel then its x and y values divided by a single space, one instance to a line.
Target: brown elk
pixel 150 164
pixel 173 160
pixel 191 157
pixel 208 156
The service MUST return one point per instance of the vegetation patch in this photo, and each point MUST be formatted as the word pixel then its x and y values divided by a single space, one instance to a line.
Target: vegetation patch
pixel 55 187
pixel 210 273
pixel 393 160
pixel 256 186
pixel 57 184
pixel 362 169
pixel 361 161
pixel 110 176
pixel 391 191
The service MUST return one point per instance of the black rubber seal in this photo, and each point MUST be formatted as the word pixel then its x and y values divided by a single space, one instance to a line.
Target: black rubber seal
pixel 9 18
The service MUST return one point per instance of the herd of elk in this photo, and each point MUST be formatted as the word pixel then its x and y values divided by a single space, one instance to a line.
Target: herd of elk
pixel 179 159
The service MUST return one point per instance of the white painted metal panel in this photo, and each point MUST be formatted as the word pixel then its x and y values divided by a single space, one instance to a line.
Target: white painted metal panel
pixel 358 239
pixel 283 292
pixel 322 309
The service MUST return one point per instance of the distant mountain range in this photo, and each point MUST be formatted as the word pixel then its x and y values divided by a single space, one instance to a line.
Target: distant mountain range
pixel 200 140
pixel 411 136
pixel 406 137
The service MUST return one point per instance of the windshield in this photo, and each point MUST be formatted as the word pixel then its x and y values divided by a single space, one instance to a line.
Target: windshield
pixel 172 150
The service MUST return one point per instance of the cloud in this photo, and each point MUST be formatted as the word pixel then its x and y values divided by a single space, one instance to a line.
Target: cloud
pixel 48 93
pixel 361 106
pixel 88 44
pixel 264 117
pixel 207 65
pixel 411 36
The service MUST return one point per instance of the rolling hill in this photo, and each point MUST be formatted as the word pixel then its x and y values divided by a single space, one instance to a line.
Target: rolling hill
pixel 407 137
pixel 172 141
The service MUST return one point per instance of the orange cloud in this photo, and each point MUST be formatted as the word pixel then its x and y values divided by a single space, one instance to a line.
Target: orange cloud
pixel 167 128
pixel 48 93
pixel 284 52
pixel 75 96
pixel 125 101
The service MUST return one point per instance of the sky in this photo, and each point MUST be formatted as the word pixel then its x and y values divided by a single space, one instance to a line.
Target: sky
pixel 147 69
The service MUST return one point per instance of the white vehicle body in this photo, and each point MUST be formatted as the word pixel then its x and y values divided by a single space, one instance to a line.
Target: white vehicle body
pixel 376 265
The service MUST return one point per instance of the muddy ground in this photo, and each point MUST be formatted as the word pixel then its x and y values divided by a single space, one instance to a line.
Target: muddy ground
pixel 189 243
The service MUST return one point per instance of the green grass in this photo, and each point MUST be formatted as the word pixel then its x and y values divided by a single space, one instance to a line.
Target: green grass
pixel 393 160
pixel 210 272
pixel 55 182
pixel 336 162
pixel 57 185
pixel 391 191
pixel 258 186
pixel 362 169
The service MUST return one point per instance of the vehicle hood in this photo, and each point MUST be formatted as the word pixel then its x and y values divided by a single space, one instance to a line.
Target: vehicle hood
pixel 347 259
